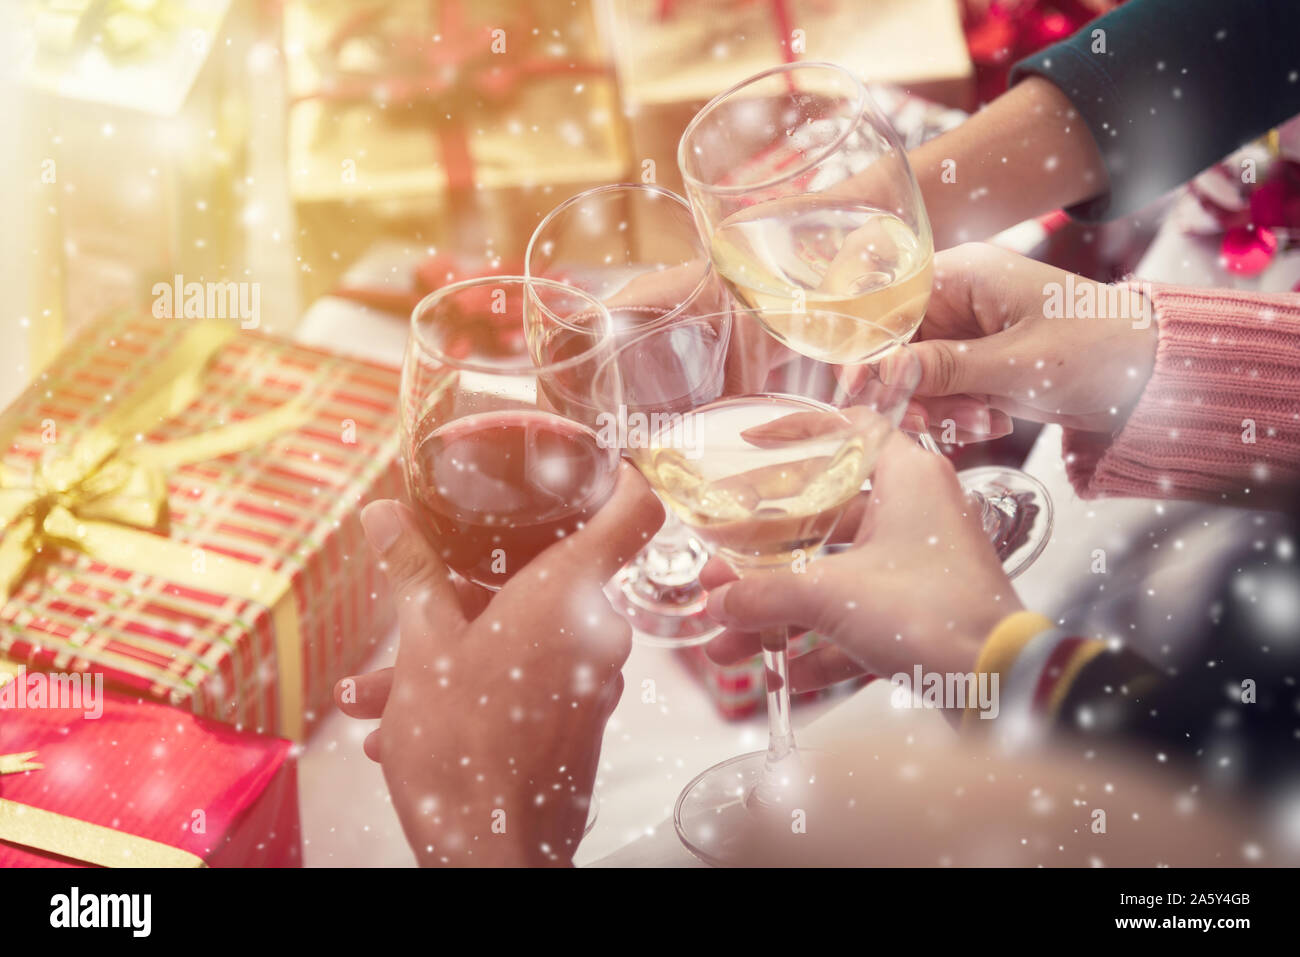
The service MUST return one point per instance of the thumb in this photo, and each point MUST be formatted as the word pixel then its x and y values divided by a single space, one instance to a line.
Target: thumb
pixel 768 601
pixel 955 366
pixel 423 588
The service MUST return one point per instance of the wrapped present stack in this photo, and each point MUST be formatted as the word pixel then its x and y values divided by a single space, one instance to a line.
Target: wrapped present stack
pixel 179 507
pixel 443 122
pixel 138 115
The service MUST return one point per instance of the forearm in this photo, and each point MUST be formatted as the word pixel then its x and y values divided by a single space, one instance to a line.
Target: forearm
pixel 1026 153
pixel 1219 418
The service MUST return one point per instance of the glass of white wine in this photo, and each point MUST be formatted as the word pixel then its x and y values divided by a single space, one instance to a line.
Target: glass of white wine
pixel 814 219
pixel 762 478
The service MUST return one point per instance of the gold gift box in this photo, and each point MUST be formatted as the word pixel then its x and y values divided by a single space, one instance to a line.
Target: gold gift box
pixel 134 123
pixel 672 58
pixel 451 124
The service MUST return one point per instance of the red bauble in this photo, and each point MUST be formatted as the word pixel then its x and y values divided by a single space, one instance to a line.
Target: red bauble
pixel 1246 251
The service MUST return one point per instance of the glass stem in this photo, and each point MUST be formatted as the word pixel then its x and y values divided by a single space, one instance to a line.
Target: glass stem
pixel 781 751
pixel 670 560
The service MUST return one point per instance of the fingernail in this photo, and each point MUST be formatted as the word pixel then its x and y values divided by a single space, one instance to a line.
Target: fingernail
pixel 914 423
pixel 716 606
pixel 975 421
pixel 382 524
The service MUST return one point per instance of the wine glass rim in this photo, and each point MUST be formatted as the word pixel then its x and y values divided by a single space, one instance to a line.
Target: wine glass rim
pixel 676 311
pixel 531 367
pixel 864 102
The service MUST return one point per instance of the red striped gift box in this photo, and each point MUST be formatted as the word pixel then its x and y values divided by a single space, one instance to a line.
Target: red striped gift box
pixel 287 506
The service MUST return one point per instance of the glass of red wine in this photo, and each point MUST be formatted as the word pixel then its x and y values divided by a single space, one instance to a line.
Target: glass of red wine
pixel 637 249
pixel 495 472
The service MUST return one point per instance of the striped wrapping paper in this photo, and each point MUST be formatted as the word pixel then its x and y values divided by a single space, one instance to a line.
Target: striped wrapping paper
pixel 290 504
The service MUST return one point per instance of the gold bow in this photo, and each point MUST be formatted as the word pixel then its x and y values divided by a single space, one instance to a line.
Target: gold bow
pixel 106 496
pixel 17 763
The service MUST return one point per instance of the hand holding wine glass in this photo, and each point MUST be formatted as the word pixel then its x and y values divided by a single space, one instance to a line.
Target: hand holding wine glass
pixel 493 714
pixel 920 583
pixel 988 334
pixel 816 222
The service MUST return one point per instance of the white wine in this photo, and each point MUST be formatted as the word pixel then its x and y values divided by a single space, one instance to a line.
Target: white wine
pixel 834 281
pixel 758 477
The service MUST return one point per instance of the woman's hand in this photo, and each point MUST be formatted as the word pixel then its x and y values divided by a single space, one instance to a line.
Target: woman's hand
pixel 992 330
pixel 493 714
pixel 921 584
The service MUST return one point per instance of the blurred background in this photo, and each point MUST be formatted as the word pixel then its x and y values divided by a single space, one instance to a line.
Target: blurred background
pixel 345 155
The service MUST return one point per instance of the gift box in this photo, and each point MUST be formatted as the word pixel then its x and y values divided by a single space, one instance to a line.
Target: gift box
pixel 672 58
pixel 452 124
pixel 94 778
pixel 179 503
pixel 136 123
pixel 138 112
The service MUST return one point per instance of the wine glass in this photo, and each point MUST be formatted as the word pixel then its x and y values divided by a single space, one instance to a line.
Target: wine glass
pixel 815 221
pixel 493 471
pixel 636 248
pixel 762 478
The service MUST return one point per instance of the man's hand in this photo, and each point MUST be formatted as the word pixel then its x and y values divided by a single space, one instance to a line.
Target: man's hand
pixel 493 714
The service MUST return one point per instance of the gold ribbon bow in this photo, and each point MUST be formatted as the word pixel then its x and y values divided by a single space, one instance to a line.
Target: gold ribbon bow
pixel 106 496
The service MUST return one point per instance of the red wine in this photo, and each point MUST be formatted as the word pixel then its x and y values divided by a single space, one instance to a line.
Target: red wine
pixel 496 488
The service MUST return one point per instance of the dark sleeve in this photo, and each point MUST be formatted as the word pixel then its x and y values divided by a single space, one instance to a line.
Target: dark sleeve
pixel 1231 714
pixel 1180 85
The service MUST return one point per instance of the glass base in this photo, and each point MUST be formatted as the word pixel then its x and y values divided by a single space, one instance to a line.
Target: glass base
pixel 663 615
pixel 1016 510
pixel 725 819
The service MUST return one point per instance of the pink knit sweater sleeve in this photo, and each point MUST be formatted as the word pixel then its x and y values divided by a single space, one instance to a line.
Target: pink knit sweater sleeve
pixel 1220 417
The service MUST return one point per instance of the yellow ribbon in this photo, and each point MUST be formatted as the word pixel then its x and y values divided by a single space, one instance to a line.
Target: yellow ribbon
pixel 106 497
pixel 78 840
pixel 17 763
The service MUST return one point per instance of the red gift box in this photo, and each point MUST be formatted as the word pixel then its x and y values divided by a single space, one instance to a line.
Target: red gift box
pixel 140 785
pixel 248 589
